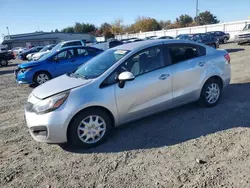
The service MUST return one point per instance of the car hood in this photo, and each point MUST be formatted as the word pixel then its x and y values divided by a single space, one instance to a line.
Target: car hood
pixel 58 85
pixel 245 32
pixel 38 54
pixel 29 64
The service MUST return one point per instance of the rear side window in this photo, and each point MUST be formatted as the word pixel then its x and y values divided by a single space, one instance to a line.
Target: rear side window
pixel 182 52
pixel 82 52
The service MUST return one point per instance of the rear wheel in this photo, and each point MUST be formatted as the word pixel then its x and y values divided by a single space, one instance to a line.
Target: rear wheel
pixel 41 77
pixel 225 40
pixel 214 46
pixel 211 92
pixel 3 62
pixel 89 128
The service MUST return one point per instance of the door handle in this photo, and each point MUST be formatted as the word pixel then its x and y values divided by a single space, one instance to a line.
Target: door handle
pixel 201 64
pixel 164 76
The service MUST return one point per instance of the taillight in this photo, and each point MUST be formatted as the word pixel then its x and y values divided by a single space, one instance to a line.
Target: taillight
pixel 227 57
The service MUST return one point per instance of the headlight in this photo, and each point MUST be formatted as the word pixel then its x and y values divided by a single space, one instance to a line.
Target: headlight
pixel 24 70
pixel 50 104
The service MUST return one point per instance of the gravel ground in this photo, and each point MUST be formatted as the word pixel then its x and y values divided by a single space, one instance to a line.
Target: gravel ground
pixel 184 147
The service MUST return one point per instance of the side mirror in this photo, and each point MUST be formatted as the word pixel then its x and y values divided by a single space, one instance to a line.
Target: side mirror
pixel 56 59
pixel 125 76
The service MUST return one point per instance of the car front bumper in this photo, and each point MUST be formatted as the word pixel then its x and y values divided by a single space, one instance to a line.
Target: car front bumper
pixel 242 39
pixel 48 128
pixel 23 78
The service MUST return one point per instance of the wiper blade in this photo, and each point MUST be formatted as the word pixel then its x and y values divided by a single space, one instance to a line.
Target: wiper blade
pixel 77 75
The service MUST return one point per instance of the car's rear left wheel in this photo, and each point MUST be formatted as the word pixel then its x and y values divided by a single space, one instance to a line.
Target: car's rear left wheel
pixel 225 40
pixel 89 128
pixel 211 92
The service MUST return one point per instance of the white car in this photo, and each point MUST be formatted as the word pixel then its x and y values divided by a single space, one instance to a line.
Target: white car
pixel 43 52
pixel 18 50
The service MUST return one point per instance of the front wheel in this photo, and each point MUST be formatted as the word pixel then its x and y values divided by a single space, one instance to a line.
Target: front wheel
pixel 41 77
pixel 89 128
pixel 210 94
pixel 3 62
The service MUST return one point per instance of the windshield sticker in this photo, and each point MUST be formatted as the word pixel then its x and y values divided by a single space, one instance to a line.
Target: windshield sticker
pixel 121 52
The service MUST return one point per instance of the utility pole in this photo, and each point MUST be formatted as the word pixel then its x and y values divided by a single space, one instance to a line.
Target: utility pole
pixel 197 11
pixel 8 31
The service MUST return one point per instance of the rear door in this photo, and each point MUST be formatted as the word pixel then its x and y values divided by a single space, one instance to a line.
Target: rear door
pixel 188 67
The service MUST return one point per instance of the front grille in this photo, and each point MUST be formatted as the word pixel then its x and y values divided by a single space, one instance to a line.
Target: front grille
pixel 28 106
pixel 244 36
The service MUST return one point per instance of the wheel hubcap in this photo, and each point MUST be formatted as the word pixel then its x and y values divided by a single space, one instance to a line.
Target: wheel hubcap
pixel 91 129
pixel 3 62
pixel 212 93
pixel 42 78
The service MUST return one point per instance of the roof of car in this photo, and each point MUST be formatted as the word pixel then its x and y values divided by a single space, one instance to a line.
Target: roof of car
pixel 71 47
pixel 142 44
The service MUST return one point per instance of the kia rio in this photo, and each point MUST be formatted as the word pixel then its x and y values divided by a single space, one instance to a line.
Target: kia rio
pixel 123 84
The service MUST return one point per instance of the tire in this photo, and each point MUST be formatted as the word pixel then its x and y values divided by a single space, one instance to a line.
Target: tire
pixel 214 46
pixel 4 63
pixel 41 77
pixel 76 136
pixel 213 100
pixel 225 40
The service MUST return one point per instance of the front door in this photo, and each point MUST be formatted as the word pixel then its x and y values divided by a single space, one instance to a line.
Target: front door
pixel 65 62
pixel 150 91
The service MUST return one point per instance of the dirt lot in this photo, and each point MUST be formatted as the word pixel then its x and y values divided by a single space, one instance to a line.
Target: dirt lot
pixel 159 151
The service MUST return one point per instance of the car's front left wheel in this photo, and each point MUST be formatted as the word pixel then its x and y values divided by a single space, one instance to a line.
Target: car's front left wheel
pixel 41 77
pixel 3 62
pixel 89 128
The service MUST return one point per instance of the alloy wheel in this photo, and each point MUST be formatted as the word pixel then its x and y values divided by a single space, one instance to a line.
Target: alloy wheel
pixel 91 129
pixel 212 93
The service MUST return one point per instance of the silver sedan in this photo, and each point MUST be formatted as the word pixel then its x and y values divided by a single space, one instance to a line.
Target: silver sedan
pixel 123 84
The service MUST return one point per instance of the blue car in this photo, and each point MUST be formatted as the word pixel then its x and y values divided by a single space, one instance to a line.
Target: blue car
pixel 54 64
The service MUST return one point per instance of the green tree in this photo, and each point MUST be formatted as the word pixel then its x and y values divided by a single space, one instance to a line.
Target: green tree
pixel 68 30
pixel 57 31
pixel 105 27
pixel 144 24
pixel 117 26
pixel 87 28
pixel 165 24
pixel 78 28
pixel 206 18
pixel 184 20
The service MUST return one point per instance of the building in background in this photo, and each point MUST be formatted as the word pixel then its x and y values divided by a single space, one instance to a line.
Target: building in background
pixel 43 38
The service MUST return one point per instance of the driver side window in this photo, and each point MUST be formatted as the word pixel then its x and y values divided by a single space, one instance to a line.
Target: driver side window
pixel 145 61
pixel 67 54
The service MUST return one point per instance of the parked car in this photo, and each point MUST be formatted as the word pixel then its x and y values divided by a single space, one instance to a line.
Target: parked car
pixel 24 54
pixel 5 56
pixel 42 52
pixel 220 35
pixel 108 44
pixel 162 37
pixel 134 40
pixel 244 36
pixel 205 39
pixel 182 36
pixel 123 84
pixel 69 43
pixel 126 40
pixel 147 38
pixel 54 64
pixel 18 50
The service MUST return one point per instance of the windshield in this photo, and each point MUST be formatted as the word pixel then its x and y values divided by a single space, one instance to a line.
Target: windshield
pixel 44 49
pixel 246 27
pixel 48 55
pixel 99 64
pixel 57 47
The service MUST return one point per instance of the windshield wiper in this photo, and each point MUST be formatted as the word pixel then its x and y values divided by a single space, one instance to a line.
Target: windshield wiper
pixel 76 75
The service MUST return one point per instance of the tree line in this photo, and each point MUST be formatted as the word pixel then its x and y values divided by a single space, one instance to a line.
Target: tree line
pixel 141 24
